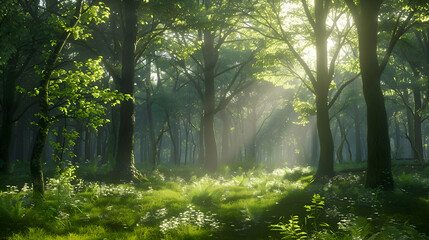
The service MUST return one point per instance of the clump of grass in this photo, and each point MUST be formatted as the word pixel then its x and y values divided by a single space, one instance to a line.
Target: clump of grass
pixel 240 203
pixel 206 192
pixel 189 222
pixel 294 229
pixel 296 173
pixel 413 183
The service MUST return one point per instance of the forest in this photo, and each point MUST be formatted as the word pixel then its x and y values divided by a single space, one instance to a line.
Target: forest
pixel 214 119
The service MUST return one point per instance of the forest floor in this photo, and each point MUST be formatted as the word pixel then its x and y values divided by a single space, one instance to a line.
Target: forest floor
pixel 186 203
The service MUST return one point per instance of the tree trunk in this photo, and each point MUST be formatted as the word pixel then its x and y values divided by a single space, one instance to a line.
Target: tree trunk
pixel 39 147
pixel 357 135
pixel 44 119
pixel 186 141
pixel 342 141
pixel 87 151
pixel 5 139
pixel 124 169
pixel 153 150
pixel 100 142
pixel 326 158
pixel 142 148
pixel 410 125
pixel 379 172
pixel 226 133
pixel 174 136
pixel 8 110
pixel 397 139
pixel 251 137
pixel 210 55
pixel 201 142
pixel 112 142
pixel 418 143
pixel 314 144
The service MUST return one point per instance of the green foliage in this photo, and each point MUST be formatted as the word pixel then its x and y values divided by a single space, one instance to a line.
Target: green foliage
pixel 297 173
pixel 415 183
pixel 95 169
pixel 206 192
pixel 190 217
pixel 11 203
pixel 76 94
pixel 291 229
pixel 294 230
pixel 62 187
pixel 314 212
pixel 189 205
pixel 64 148
pixel 306 110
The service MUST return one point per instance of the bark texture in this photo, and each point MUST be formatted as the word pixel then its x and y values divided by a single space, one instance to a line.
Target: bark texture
pixel 379 172
pixel 211 56
pixel 326 157
pixel 124 169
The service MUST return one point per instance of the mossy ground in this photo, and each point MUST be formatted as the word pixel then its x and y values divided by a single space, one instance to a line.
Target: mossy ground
pixel 185 203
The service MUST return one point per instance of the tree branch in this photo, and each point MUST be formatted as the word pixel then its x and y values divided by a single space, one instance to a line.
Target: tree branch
pixel 337 94
pixel 308 14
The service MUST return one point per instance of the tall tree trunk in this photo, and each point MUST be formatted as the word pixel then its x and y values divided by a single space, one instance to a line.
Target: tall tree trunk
pixel 124 169
pixel 397 139
pixel 201 151
pixel 160 149
pixel 418 143
pixel 142 148
pixel 5 139
pixel 186 141
pixel 251 137
pixel 226 134
pixel 357 135
pixel 174 136
pixel 8 110
pixel 44 119
pixel 342 141
pixel 314 145
pixel 112 144
pixel 87 151
pixel 153 149
pixel 379 172
pixel 210 55
pixel 100 142
pixel 410 125
pixel 326 158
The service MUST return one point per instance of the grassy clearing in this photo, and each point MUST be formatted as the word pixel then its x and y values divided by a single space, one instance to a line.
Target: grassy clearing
pixel 186 204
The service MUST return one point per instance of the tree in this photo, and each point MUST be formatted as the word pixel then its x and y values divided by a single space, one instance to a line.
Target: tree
pixel 366 17
pixel 213 23
pixel 18 44
pixel 44 121
pixel 67 93
pixel 134 25
pixel 124 168
pixel 269 21
pixel 407 81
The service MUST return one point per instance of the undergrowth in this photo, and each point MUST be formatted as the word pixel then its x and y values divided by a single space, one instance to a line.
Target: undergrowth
pixel 230 204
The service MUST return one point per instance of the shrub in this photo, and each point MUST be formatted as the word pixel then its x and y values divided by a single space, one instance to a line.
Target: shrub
pixel 293 229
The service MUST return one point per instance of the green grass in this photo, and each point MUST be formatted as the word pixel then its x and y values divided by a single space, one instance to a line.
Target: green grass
pixel 186 203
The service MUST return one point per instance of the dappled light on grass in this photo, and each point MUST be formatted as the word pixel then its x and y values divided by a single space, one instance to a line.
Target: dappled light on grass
pixel 220 206
pixel 192 217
